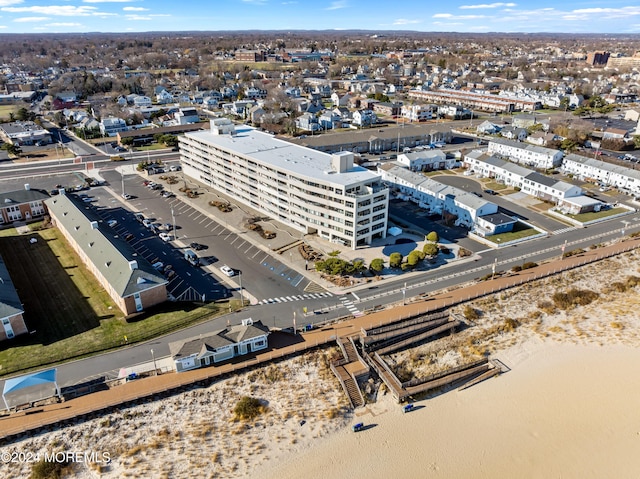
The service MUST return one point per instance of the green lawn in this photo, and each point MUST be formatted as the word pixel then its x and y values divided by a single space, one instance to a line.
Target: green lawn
pixel 69 313
pixel 586 217
pixel 6 109
pixel 520 231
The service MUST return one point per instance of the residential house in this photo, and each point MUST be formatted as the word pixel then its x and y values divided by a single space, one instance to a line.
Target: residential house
pixel 494 224
pixel 163 97
pixel 387 109
pixel 580 204
pixel 329 120
pixel 341 100
pixel 112 126
pixel 186 116
pixel 255 115
pixel 141 101
pixel 524 120
pixel 615 134
pixel 22 205
pixel 130 280
pixel 364 118
pixel 514 133
pixel 308 122
pixel 488 128
pixel 541 138
pixel 11 309
pixel 529 155
pixel 292 92
pixel 455 112
pixel 253 93
pixel 426 160
pixel 417 113
pixel 248 337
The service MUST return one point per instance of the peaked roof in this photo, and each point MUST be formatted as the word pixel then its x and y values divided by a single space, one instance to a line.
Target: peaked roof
pixel 114 258
pixel 10 304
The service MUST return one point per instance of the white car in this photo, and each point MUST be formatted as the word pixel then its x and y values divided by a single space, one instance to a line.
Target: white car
pixel 228 271
pixel 126 196
pixel 147 223
pixel 112 223
pixel 158 265
pixel 165 236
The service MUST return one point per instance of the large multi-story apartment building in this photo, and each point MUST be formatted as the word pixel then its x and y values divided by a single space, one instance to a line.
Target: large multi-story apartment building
pixel 526 154
pixel 312 191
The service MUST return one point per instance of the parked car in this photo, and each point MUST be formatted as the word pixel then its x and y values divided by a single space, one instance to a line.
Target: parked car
pixel 175 168
pixel 479 195
pixel 158 265
pixel 112 223
pixel 490 192
pixel 139 217
pixel 197 246
pixel 147 223
pixel 167 194
pixel 226 270
pixel 165 236
pixel 126 196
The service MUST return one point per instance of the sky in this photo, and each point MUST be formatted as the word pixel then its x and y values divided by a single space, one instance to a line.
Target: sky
pixel 467 16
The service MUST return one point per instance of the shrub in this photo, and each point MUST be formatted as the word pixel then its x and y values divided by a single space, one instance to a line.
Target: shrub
pixel 48 470
pixel 430 249
pixel 395 260
pixel 415 257
pixel 573 297
pixel 463 252
pixel 470 313
pixel 433 237
pixel 529 265
pixel 248 408
pixel 377 265
pixel 516 268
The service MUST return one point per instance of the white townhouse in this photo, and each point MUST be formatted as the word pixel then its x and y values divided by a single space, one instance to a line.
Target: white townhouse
pixel 529 181
pixel 435 197
pixel 311 191
pixel 529 155
pixel 618 176
pixel 142 101
pixel 426 160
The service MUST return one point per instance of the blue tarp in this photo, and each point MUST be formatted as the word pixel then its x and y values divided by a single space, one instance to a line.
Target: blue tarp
pixel 28 380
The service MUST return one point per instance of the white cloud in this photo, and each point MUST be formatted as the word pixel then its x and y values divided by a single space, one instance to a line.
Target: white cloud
pixel 487 5
pixel 57 10
pixel 108 1
pixel 64 24
pixel 458 17
pixel 135 9
pixel 136 18
pixel 159 15
pixel 337 5
pixel 6 3
pixel 30 19
pixel 443 15
pixel 404 21
pixel 3 26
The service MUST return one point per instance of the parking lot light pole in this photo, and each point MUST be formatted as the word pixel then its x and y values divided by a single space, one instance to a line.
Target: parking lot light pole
pixel 173 219
pixel 241 292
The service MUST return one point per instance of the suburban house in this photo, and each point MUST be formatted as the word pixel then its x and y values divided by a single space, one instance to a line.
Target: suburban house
pixel 141 101
pixel 488 128
pixel 529 181
pixel 112 126
pixel 417 113
pixel 129 279
pixel 529 155
pixel 11 310
pixel 364 118
pixel 245 338
pixel 308 122
pixel 435 197
pixel 494 224
pixel 22 205
pixel 580 204
pixel 514 133
pixel 186 116
pixel 609 174
pixel 311 191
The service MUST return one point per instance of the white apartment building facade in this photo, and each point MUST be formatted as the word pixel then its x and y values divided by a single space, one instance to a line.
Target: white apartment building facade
pixel 436 197
pixel 618 176
pixel 526 154
pixel 311 191
pixel 529 181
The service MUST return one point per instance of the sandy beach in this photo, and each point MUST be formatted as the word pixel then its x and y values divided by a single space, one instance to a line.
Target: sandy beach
pixel 566 408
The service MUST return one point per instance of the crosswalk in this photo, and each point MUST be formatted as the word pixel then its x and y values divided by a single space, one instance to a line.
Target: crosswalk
pixel 351 307
pixel 564 230
pixel 299 297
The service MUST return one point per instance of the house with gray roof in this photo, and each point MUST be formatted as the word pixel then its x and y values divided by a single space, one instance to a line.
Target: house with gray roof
pixel 610 174
pixel 22 205
pixel 232 341
pixel 11 310
pixel 526 154
pixel 129 279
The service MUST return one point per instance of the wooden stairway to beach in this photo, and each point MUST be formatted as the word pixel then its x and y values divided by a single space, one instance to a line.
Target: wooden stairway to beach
pixel 351 361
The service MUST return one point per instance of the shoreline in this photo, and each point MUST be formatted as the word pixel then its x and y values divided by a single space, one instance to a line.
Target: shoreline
pixel 564 411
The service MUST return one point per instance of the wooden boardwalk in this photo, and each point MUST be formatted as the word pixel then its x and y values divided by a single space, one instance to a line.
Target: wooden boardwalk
pixel 17 423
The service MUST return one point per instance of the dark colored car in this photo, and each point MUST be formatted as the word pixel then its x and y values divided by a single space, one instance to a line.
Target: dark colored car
pixel 490 192
pixel 197 246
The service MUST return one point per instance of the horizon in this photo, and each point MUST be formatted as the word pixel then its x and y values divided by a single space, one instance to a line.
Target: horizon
pixel 620 17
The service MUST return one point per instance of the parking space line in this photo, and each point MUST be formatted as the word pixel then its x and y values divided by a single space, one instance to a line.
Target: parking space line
pixel 235 239
pixel 241 245
pixel 257 251
pixel 249 249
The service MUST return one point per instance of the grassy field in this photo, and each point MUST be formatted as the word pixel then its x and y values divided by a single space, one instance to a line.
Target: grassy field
pixel 585 217
pixel 69 314
pixel 520 231
pixel 6 109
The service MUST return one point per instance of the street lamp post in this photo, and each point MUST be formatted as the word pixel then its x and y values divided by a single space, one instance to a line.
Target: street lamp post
pixel 404 294
pixel 173 219
pixel 241 292
pixel 155 369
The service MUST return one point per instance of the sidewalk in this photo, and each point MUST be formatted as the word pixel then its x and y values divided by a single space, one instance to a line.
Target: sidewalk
pixel 282 345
